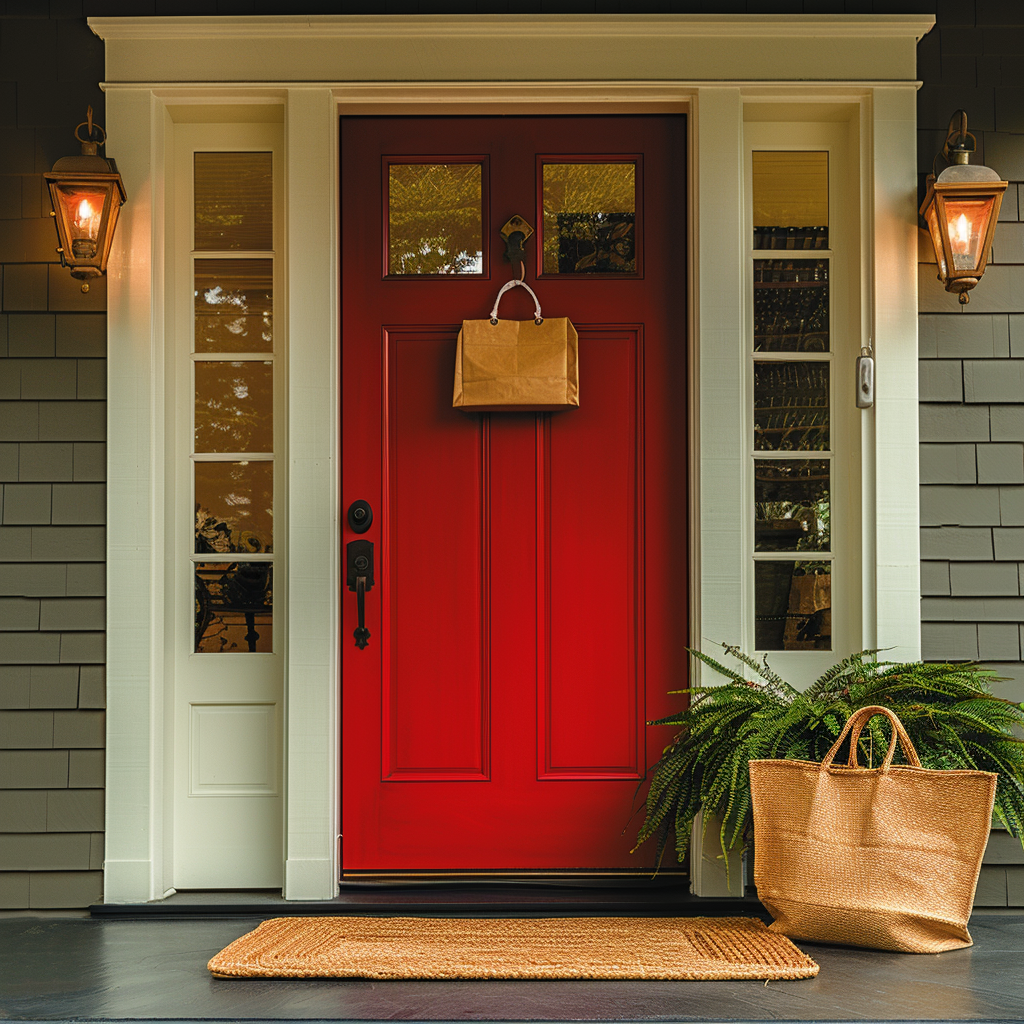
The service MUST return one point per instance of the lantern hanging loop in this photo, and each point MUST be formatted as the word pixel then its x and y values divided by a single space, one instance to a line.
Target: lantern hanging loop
pixel 90 143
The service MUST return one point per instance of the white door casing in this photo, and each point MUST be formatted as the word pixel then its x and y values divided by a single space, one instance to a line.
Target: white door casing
pixel 168 72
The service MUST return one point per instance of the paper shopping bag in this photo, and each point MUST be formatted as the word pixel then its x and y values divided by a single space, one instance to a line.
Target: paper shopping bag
pixel 516 365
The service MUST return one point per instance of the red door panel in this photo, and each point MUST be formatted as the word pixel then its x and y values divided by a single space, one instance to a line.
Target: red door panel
pixel 529 613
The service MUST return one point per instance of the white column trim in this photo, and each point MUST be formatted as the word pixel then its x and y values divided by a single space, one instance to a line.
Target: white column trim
pixel 896 508
pixel 135 866
pixel 312 681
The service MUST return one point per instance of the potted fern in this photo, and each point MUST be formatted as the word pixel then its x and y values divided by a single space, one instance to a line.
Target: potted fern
pixel 953 720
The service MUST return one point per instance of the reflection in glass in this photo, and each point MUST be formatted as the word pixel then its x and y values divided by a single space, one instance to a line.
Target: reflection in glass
pixel 793 606
pixel 791 306
pixel 234 507
pixel 435 219
pixel 234 305
pixel 589 218
pixel 791 505
pixel 233 607
pixel 234 201
pixel 790 199
pixel 234 406
pixel 791 406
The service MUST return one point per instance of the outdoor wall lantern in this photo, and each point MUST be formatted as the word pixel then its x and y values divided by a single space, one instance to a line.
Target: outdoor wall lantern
pixel 961 208
pixel 87 193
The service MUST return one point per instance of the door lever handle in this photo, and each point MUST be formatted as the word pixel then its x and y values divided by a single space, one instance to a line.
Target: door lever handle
pixel 359 577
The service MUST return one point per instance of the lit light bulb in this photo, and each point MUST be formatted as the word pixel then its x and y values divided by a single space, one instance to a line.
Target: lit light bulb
pixel 962 235
pixel 85 210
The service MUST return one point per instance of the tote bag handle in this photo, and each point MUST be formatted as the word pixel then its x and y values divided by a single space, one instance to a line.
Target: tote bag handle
pixel 537 318
pixel 856 722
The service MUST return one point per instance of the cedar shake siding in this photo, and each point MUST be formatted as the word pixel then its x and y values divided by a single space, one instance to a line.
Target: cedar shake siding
pixel 53 514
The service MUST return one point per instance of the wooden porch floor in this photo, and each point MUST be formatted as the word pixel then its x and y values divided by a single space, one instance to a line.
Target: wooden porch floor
pixel 152 967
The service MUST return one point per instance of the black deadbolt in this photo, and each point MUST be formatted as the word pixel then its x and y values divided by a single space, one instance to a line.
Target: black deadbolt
pixel 360 515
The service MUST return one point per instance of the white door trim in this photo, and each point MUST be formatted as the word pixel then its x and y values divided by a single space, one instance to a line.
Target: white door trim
pixel 879 92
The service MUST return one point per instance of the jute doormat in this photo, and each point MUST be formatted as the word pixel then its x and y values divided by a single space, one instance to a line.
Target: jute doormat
pixel 684 949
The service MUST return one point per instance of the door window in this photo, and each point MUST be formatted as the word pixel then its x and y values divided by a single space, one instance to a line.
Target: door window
pixel 589 216
pixel 435 217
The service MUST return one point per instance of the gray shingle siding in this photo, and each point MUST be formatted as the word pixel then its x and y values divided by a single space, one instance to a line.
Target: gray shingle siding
pixel 972 388
pixel 52 490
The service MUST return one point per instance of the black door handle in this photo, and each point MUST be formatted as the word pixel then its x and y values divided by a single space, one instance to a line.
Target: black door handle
pixel 359 577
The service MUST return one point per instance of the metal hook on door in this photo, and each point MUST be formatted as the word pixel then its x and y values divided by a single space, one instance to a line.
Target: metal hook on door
pixel 515 232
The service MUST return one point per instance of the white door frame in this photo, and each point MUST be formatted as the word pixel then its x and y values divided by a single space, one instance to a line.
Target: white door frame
pixel 306 71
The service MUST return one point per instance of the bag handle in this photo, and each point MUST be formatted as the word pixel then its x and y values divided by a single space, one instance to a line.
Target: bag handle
pixel 514 283
pixel 856 723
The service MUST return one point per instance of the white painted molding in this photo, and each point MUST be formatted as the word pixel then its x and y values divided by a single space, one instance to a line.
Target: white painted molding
pixel 896 492
pixel 722 368
pixel 431 48
pixel 476 26
pixel 135 819
pixel 314 582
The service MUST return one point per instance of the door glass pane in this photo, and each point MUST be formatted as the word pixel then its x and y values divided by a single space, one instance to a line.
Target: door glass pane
pixel 589 223
pixel 234 201
pixel 234 507
pixel 435 218
pixel 791 505
pixel 234 305
pixel 790 191
pixel 791 306
pixel 233 607
pixel 793 606
pixel 234 407
pixel 791 406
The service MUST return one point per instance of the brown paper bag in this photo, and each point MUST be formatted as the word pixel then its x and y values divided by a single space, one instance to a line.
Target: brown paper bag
pixel 886 858
pixel 516 365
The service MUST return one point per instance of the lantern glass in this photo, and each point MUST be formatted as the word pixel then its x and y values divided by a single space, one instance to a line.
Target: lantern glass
pixel 932 219
pixel 83 213
pixel 967 222
pixel 86 213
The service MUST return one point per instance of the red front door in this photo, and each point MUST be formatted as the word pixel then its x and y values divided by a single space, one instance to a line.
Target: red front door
pixel 529 609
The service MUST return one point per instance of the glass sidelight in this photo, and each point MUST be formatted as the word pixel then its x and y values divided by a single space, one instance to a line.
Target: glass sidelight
pixel 233 403
pixel 792 442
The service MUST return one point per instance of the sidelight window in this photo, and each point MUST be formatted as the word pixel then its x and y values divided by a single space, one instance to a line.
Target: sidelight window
pixel 233 402
pixel 793 449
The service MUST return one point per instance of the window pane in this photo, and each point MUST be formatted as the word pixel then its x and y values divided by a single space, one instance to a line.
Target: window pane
pixel 793 606
pixel 791 406
pixel 234 507
pixel 435 219
pixel 234 305
pixel 234 407
pixel 589 218
pixel 791 505
pixel 790 192
pixel 234 201
pixel 233 607
pixel 791 306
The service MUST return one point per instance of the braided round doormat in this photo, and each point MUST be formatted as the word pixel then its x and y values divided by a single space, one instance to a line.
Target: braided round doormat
pixel 664 948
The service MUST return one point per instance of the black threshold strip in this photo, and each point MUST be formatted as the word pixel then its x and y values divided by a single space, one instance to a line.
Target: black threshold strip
pixel 447 897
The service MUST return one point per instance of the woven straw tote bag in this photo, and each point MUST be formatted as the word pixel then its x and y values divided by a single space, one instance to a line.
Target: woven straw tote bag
pixel 884 857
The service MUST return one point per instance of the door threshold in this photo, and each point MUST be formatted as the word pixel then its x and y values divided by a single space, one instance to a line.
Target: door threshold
pixel 444 899
pixel 567 879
